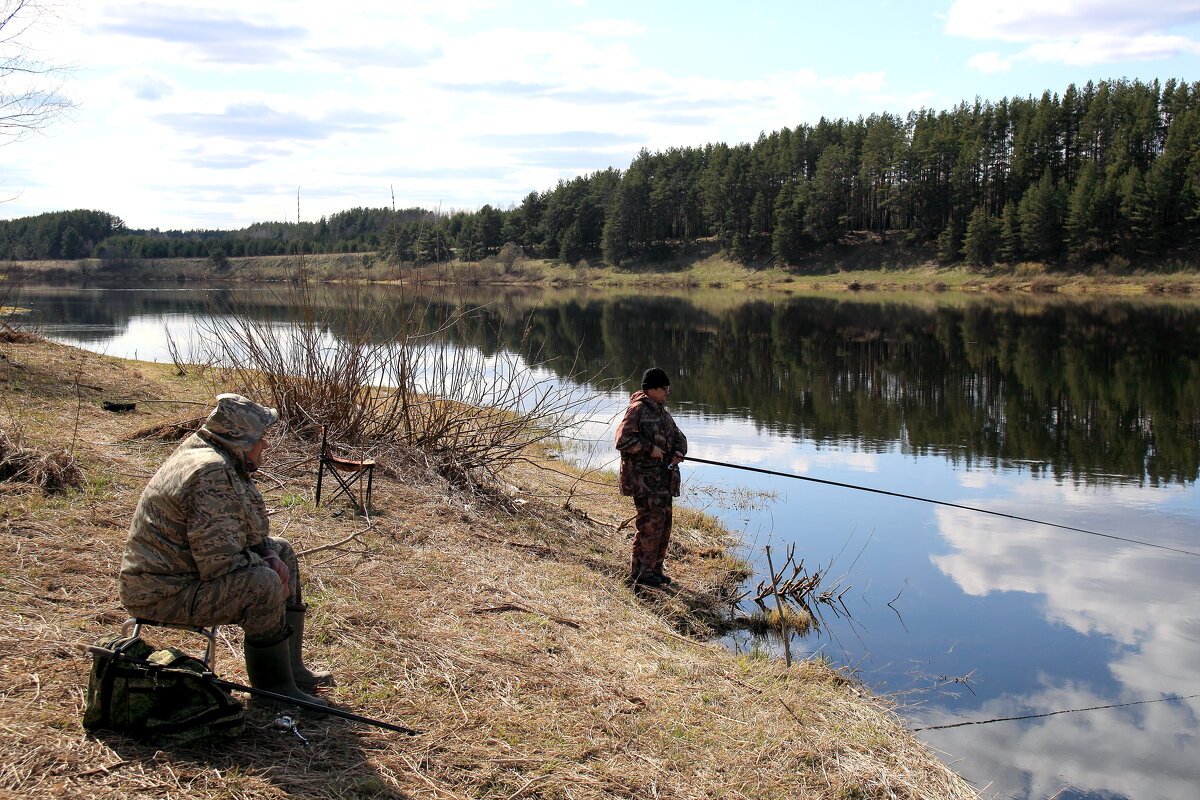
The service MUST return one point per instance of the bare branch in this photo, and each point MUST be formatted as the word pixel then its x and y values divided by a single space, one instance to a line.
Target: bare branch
pixel 31 94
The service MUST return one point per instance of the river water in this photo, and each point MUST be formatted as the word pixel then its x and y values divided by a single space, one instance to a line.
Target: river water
pixel 1080 413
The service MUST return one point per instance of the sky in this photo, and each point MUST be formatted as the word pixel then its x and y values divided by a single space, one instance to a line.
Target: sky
pixel 219 113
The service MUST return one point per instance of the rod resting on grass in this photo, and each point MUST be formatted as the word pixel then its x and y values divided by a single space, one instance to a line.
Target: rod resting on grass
pixel 282 698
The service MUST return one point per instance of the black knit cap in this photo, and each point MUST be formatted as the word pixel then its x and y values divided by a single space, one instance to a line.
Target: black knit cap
pixel 655 378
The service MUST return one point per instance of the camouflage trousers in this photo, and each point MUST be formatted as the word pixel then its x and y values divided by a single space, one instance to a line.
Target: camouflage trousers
pixel 251 597
pixel 653 533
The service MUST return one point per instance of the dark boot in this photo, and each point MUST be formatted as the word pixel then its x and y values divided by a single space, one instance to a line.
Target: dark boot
pixel 304 677
pixel 269 667
pixel 645 578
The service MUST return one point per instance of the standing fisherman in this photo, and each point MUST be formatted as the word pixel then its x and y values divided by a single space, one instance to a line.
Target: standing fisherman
pixel 198 552
pixel 651 447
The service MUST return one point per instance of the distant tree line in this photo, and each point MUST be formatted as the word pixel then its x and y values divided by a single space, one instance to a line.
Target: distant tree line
pixel 60 234
pixel 81 234
pixel 1109 170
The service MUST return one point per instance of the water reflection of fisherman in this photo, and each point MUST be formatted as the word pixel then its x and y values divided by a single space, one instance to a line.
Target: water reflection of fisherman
pixel 651 447
pixel 198 552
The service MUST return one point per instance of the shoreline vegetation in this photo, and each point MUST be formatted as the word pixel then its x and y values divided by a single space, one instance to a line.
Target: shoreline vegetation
pixel 863 266
pixel 495 622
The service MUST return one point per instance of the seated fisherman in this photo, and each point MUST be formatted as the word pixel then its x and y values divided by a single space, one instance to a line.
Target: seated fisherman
pixel 198 551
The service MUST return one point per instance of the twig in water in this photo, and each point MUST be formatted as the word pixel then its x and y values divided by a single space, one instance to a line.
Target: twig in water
pixel 783 630
pixel 893 608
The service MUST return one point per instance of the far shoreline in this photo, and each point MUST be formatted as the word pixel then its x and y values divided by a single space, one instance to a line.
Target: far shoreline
pixel 847 270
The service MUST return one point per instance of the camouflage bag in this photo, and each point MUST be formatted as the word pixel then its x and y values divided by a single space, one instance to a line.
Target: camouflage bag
pixel 171 700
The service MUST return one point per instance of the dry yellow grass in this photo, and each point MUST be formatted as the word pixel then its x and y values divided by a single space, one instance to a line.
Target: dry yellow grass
pixel 502 630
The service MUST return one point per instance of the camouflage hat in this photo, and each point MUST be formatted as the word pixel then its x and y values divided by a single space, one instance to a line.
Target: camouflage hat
pixel 240 419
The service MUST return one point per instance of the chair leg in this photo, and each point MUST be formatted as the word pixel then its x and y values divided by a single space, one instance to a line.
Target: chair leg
pixel 347 486
pixel 320 475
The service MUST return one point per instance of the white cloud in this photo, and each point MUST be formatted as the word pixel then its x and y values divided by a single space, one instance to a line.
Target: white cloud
pixel 1101 49
pixel 920 99
pixel 974 480
pixel 1034 20
pixel 989 62
pixel 1076 32
pixel 611 27
pixel 1103 752
pixel 189 87
pixel 862 82
pixel 149 85
pixel 826 459
pixel 1142 600
pixel 842 84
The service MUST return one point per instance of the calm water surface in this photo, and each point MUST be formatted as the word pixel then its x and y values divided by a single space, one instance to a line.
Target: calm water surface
pixel 1085 414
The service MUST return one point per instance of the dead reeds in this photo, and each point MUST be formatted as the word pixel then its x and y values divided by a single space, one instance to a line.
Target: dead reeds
pixel 799 598
pixel 53 471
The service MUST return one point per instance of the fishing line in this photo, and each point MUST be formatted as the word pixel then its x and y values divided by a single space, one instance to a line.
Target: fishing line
pixel 1052 713
pixel 940 503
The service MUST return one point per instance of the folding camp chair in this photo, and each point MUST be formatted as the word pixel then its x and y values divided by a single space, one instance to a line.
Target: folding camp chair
pixel 350 484
pixel 133 627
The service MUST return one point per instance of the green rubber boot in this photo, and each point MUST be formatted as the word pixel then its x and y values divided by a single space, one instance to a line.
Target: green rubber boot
pixel 269 668
pixel 304 677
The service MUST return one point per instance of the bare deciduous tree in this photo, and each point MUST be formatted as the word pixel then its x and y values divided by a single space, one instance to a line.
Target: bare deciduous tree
pixel 30 93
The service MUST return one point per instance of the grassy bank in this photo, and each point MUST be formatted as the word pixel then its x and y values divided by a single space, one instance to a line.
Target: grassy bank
pixel 500 627
pixel 856 266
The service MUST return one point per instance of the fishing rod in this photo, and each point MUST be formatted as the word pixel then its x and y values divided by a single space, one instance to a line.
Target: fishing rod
pixel 937 502
pixel 280 698
pixel 1054 713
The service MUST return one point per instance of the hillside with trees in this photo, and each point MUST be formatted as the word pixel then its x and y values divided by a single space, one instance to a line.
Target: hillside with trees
pixel 1101 174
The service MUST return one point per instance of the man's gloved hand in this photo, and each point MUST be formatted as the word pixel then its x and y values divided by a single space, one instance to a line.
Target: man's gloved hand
pixel 273 561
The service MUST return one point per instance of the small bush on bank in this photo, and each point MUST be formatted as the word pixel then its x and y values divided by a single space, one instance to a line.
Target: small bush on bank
pixel 375 373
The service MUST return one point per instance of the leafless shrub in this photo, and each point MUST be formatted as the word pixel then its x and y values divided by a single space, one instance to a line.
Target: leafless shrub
pixel 375 373
pixel 10 332
pixel 177 358
pixel 509 255
pixel 52 472
pixel 10 335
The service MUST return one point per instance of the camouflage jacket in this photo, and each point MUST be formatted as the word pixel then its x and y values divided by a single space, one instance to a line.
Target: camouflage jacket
pixel 645 425
pixel 197 519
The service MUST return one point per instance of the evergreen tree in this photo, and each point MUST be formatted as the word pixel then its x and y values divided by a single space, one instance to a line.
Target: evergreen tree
pixel 982 239
pixel 788 241
pixel 72 245
pixel 1136 216
pixel 1086 211
pixel 1011 248
pixel 1040 217
pixel 490 223
pixel 433 244
pixel 827 215
pixel 570 247
pixel 949 242
pixel 470 241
